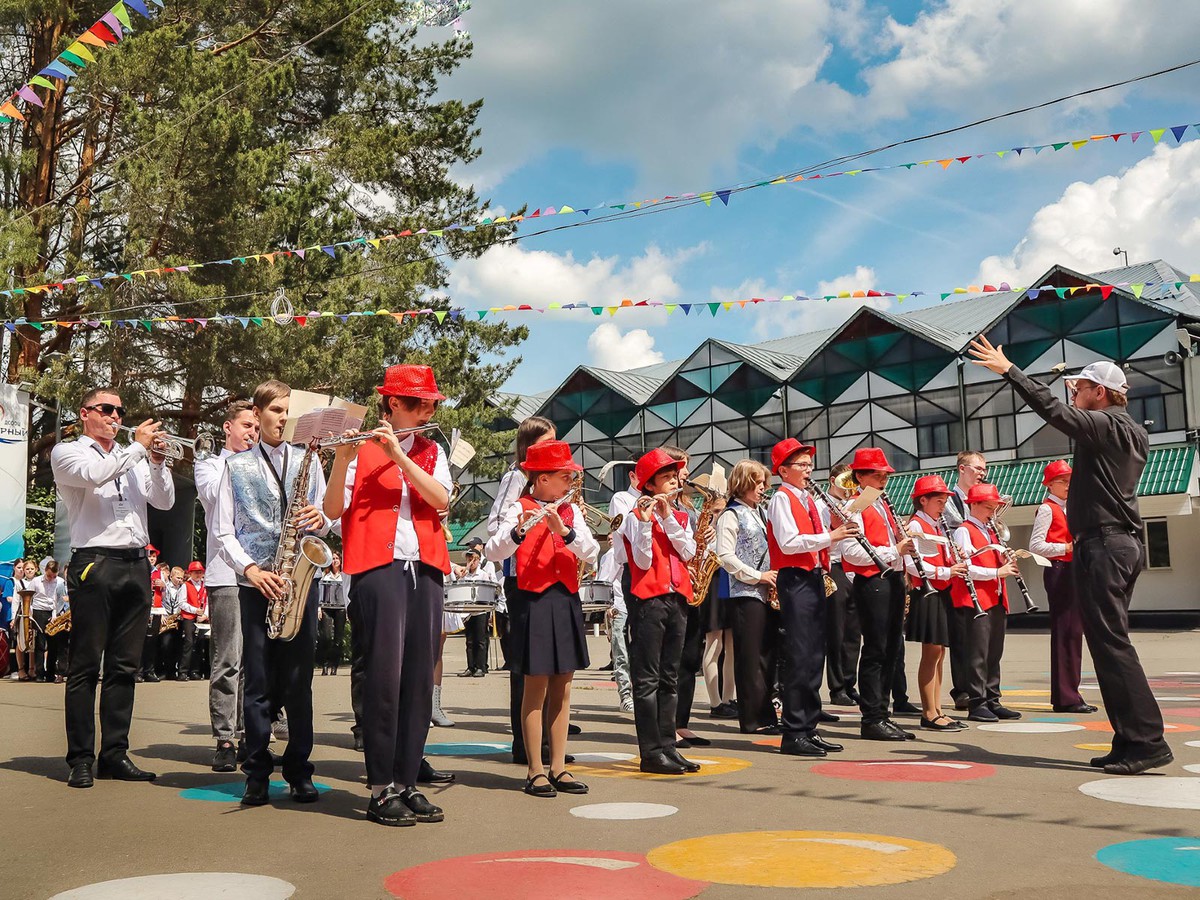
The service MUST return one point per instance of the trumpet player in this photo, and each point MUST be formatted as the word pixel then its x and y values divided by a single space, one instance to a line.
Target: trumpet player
pixel 106 490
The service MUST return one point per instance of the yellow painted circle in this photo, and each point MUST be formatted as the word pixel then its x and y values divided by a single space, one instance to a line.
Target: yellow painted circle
pixel 628 768
pixel 1033 707
pixel 802 859
pixel 1026 693
pixel 1102 748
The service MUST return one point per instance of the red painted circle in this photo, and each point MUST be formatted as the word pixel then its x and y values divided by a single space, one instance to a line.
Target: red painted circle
pixel 540 875
pixel 905 770
pixel 1188 712
pixel 1171 727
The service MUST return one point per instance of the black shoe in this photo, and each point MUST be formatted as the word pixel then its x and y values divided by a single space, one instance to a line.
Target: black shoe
pixel 358 743
pixel 389 809
pixel 695 741
pixel 801 746
pixel 983 714
pixel 151 678
pixel 533 789
pixel 1003 712
pixel 81 776
pixel 304 791
pixel 948 725
pixel 185 677
pixel 660 764
pixel 427 774
pixel 138 678
pixel 962 704
pixel 241 752
pixel 225 759
pixel 568 787
pixel 466 673
pixel 826 717
pixel 607 667
pixel 880 731
pixel 574 729
pixel 1081 708
pixel 683 744
pixel 908 735
pixel 841 698
pixel 827 746
pixel 1099 762
pixel 479 673
pixel 674 756
pixel 122 770
pixel 723 711
pixel 421 808
pixel 256 794
pixel 905 708
pixel 1138 766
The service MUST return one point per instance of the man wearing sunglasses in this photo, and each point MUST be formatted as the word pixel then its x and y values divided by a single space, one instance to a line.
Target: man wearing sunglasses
pixel 106 489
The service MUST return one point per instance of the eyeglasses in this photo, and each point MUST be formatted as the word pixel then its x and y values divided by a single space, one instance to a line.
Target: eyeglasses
pixel 982 470
pixel 107 409
pixel 797 465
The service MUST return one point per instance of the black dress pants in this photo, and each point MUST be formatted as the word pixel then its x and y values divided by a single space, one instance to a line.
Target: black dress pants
pixel 187 656
pixel 478 640
pixel 400 608
pixel 1066 634
pixel 277 674
pixel 43 655
pixel 110 602
pixel 844 635
pixel 332 627
pixel 514 657
pixel 755 653
pixel 880 602
pixel 984 639
pixel 358 668
pixel 802 606
pixel 1106 568
pixel 957 652
pixel 657 627
pixel 690 659
pixel 149 647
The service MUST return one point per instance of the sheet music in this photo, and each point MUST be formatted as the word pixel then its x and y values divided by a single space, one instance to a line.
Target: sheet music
pixel 319 423
pixel 866 497
pixel 304 402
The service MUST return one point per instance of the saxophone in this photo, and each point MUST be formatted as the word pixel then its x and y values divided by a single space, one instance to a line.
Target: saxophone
pixel 704 564
pixel 59 624
pixel 169 623
pixel 297 559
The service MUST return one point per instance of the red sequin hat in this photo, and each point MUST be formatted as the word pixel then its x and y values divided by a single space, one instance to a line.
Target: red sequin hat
pixel 651 464
pixel 550 456
pixel 929 484
pixel 786 449
pixel 410 381
pixel 1056 469
pixel 196 566
pixel 984 493
pixel 870 459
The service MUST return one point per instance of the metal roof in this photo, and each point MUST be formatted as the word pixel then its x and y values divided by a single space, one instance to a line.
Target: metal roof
pixel 526 405
pixel 799 346
pixel 459 530
pixel 633 385
pixel 774 362
pixel 960 322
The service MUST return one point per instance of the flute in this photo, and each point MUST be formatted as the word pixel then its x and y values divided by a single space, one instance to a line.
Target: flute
pixel 367 435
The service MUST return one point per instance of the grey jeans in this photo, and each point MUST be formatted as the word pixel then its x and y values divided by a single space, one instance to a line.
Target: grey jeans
pixel 225 683
pixel 620 654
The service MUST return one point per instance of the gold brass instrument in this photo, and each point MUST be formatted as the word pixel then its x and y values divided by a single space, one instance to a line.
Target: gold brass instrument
pixel 297 558
pixel 174 447
pixel 846 483
pixel 703 565
pixel 25 626
pixel 598 520
pixel 169 623
pixel 361 436
pixel 1002 534
pixel 59 624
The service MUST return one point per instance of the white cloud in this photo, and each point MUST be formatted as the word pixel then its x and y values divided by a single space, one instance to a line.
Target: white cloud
pixel 1150 210
pixel 613 350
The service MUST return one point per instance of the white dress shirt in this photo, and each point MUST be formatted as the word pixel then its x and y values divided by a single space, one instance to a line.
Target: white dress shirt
pixel 728 525
pixel 501 546
pixel 783 526
pixel 185 606
pixel 835 550
pixel 406 544
pixel 962 537
pixel 953 517
pixel 46 593
pixel 641 537
pixel 106 493
pixel 622 504
pixel 207 474
pixel 609 572
pixel 173 597
pixel 486 573
pixel 1041 528
pixel 932 559
pixel 853 553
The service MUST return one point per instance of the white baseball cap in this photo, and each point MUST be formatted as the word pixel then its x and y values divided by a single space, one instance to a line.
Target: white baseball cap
pixel 1105 374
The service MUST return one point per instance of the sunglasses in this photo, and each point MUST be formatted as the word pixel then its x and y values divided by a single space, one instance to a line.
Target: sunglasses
pixel 108 409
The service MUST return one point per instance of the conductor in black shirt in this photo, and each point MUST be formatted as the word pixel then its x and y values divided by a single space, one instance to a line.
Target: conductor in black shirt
pixel 1110 454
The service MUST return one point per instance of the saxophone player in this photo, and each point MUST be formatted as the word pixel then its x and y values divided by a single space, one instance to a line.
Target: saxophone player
pixel 251 506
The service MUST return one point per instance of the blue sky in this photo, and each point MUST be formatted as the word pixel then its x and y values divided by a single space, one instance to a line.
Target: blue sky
pixel 587 102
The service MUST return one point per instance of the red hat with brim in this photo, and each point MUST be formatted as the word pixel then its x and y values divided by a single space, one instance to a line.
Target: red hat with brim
pixel 550 456
pixel 410 381
pixel 785 450
pixel 150 548
pixel 929 484
pixel 984 493
pixel 1056 469
pixel 195 566
pixel 870 459
pixel 651 464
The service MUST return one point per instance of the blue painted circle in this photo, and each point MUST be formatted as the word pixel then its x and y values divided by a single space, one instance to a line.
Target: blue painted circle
pixel 1169 859
pixel 233 790
pixel 467 749
pixel 1052 719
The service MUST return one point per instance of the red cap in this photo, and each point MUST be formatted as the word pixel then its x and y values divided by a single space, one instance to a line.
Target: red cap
pixel 929 484
pixel 1056 469
pixel 786 449
pixel 550 456
pixel 410 381
pixel 150 548
pixel 651 464
pixel 195 566
pixel 983 493
pixel 870 459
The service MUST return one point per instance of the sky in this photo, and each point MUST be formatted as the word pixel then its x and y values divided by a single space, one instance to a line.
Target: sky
pixel 590 102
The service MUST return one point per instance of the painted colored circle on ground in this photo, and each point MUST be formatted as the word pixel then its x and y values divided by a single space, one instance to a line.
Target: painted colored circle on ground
pixel 1193 768
pixel 467 749
pixel 1169 726
pixel 1173 860
pixel 1031 727
pixel 628 768
pixel 923 770
pixel 1051 719
pixel 231 792
pixel 624 811
pixel 803 859
pixel 1161 793
pixel 602 757
pixel 1175 699
pixel 1008 693
pixel 1031 707
pixel 541 875
pixel 185 886
pixel 1095 748
pixel 1188 712
pixel 1192 743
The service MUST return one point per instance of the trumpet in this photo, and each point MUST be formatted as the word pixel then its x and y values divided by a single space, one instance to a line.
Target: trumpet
pixel 1001 532
pixel 174 447
pixel 361 436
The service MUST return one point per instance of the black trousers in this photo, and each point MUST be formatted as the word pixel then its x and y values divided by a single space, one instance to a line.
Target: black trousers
pixel 59 653
pixel 984 646
pixel 149 646
pixel 358 667
pixel 43 651
pixel 880 602
pixel 332 627
pixel 110 601
pixel 755 654
pixel 959 668
pixel 277 673
pixel 657 626
pixel 899 676
pixel 400 609
pixel 802 606
pixel 478 641
pixel 690 659
pixel 1066 634
pixel 187 656
pixel 518 611
pixel 1106 569
pixel 843 636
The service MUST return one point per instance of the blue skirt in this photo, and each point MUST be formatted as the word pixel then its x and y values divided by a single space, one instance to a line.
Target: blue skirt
pixel 551 633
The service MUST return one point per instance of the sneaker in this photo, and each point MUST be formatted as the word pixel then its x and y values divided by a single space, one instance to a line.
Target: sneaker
pixel 626 704
pixel 279 729
pixel 723 711
pixel 225 759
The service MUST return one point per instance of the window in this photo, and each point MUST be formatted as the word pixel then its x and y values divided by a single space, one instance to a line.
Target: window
pixel 1158 545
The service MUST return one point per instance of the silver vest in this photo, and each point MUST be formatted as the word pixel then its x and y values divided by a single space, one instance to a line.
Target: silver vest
pixel 751 549
pixel 257 510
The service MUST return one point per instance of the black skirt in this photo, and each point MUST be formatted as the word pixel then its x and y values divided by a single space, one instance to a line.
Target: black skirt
pixel 716 612
pixel 928 618
pixel 553 638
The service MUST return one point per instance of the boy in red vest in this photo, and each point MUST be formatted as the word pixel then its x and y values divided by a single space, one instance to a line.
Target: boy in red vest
pixel 388 492
pixel 658 543
pixel 798 545
pixel 192 609
pixel 1051 538
pixel 984 636
pixel 549 626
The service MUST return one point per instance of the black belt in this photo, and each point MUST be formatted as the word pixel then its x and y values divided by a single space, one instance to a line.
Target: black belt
pixel 112 552
pixel 1104 530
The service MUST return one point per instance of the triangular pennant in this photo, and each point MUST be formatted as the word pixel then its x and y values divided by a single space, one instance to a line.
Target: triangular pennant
pixel 59 70
pixel 1062 293
pixel 1157 134
pixel 1078 144
pixel 440 315
pixel 103 32
pixel 122 14
pixel 1058 146
pixel 944 163
pixel 1136 290
pixel 1178 131
pixel 713 307
pixel 70 57
pixel 1105 290
pixel 707 197
pixel 42 81
pixel 329 249
pixel 29 95
pixel 79 49
pixel 138 7
pixel 113 23
pixel 723 196
pixel 11 111
pixel 481 314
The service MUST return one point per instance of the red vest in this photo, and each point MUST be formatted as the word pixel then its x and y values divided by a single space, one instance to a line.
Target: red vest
pixel 989 592
pixel 197 597
pixel 1058 533
pixel 156 584
pixel 667 571
pixel 942 558
pixel 878 532
pixel 542 557
pixel 369 523
pixel 808 521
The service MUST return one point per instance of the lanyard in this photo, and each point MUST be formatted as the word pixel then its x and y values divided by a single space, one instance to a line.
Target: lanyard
pixel 117 480
pixel 283 503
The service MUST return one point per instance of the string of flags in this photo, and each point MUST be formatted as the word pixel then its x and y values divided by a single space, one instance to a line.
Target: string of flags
pixel 367 244
pixel 1138 289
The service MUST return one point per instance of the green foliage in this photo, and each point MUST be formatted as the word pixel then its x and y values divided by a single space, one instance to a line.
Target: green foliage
pixel 39 526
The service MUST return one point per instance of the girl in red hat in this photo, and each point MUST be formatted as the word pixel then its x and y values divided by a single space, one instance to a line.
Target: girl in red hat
pixel 928 615
pixel 550 631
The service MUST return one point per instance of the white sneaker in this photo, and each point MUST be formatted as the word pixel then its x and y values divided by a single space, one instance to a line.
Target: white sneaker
pixel 15 676
pixel 279 729
pixel 627 704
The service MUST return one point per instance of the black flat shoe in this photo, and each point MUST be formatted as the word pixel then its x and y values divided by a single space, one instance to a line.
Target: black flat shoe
pixel 533 789
pixel 1003 712
pixel 1138 766
pixel 358 743
pixel 827 746
pixel 1099 762
pixel 257 794
pixel 660 764
pixel 801 746
pixel 933 724
pixel 673 755
pixel 568 787
pixel 421 808
pixel 388 809
pixel 827 717
pixel 905 709
pixel 683 743
pixel 81 776
pixel 880 731
pixel 304 791
pixel 841 699
pixel 225 757
pixel 723 711
pixel 122 770
pixel 1079 708
pixel 427 774
pixel 574 729
pixel 241 752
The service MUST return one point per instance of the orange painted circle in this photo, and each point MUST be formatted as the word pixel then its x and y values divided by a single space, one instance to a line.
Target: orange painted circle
pixel 628 768
pixel 1176 727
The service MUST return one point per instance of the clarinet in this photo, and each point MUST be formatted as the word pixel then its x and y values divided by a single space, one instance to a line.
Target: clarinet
pixel 860 538
pixel 958 557
pixel 926 587
pixel 1030 606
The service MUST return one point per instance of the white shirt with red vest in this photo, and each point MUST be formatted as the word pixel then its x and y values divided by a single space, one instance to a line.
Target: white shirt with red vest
pixel 657 552
pixel 1051 536
pixel 542 558
pixel 875 525
pixel 984 567
pixel 938 558
pixel 194 602
pixel 800 541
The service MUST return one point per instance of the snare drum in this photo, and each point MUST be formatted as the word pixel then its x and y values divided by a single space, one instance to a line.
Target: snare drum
pixel 471 598
pixel 597 596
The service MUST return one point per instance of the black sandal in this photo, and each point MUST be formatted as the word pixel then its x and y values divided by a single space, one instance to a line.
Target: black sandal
pixel 574 786
pixel 535 790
